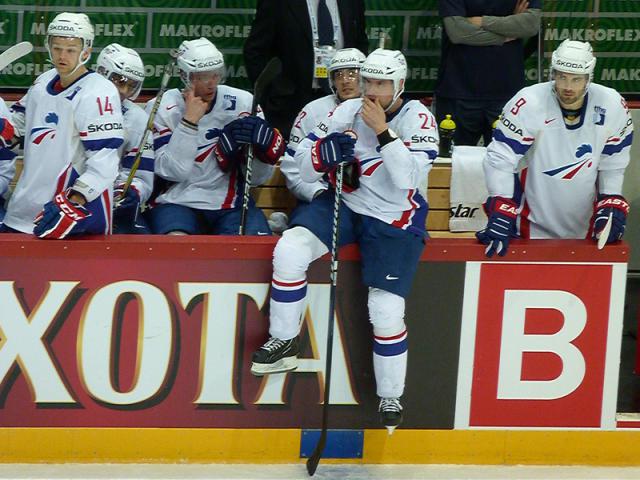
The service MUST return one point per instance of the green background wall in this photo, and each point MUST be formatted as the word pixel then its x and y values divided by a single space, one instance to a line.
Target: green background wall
pixel 152 27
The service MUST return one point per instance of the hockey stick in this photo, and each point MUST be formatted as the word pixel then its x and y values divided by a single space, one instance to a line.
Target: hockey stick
pixel 12 54
pixel 166 76
pixel 314 458
pixel 271 70
pixel 604 234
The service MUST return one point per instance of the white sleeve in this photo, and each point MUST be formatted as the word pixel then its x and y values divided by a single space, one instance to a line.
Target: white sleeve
pixel 18 115
pixel 304 151
pixel 7 157
pixel 176 148
pixel 408 159
pixel 290 168
pixel 99 122
pixel 511 141
pixel 616 152
pixel 143 178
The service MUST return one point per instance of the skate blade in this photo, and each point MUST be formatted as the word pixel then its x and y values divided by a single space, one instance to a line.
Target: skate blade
pixel 390 429
pixel 261 369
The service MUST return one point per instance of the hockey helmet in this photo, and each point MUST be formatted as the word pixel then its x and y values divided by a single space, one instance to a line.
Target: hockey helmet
pixel 72 25
pixel 382 64
pixel 199 55
pixel 122 65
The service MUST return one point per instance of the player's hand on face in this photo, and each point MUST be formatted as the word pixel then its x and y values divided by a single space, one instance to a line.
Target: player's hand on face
pixel 373 115
pixel 194 107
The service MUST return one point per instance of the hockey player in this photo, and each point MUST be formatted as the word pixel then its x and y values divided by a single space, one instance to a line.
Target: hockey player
pixel 392 142
pixel 124 68
pixel 198 139
pixel 7 157
pixel 344 80
pixel 72 123
pixel 573 138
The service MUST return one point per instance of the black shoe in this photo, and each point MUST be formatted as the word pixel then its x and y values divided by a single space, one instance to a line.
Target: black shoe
pixel 390 412
pixel 275 356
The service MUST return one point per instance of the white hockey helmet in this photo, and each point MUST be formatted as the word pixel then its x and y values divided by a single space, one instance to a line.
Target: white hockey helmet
pixel 351 58
pixel 72 25
pixel 574 57
pixel 121 64
pixel 199 55
pixel 382 64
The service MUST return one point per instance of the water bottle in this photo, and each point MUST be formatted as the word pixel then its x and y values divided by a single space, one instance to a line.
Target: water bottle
pixel 447 130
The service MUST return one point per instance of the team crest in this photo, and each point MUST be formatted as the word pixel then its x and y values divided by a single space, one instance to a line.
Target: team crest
pixel 599 115
pixel 567 172
pixel 39 134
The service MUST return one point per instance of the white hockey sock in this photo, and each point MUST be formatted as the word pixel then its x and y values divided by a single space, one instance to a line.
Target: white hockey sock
pixel 390 364
pixel 294 252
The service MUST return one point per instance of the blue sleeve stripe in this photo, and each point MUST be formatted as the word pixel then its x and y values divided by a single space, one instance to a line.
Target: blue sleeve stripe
pixel 146 163
pixel 93 145
pixel 312 136
pixel 432 154
pixel 161 142
pixel 16 107
pixel 6 154
pixel 517 147
pixel 612 149
pixel 291 151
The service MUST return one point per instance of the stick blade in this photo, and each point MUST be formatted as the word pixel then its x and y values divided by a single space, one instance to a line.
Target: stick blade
pixel 12 54
pixel 604 235
pixel 271 70
pixel 314 458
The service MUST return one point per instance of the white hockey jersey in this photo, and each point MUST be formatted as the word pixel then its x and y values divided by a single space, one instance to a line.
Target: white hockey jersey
pixel 389 176
pixel 186 157
pixel 7 157
pixel 309 117
pixel 560 168
pixel 69 133
pixel 135 121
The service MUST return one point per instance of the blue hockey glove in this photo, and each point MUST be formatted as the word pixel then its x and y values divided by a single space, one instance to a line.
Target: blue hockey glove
pixel 501 226
pixel 328 152
pixel 256 131
pixel 60 218
pixel 227 148
pixel 6 133
pixel 605 205
pixel 126 209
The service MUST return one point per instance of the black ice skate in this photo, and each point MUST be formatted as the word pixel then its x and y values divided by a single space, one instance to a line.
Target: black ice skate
pixel 275 356
pixel 390 412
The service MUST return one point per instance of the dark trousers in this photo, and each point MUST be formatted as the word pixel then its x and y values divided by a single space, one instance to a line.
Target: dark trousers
pixel 473 118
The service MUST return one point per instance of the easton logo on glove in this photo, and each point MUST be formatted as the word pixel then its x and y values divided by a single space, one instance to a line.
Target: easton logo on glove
pixel 614 202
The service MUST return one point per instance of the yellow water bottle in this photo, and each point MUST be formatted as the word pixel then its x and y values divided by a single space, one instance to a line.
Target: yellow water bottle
pixel 447 131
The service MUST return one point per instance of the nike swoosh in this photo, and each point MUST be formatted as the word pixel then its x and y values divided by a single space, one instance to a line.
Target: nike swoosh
pixel 389 277
pixel 171 106
pixel 547 122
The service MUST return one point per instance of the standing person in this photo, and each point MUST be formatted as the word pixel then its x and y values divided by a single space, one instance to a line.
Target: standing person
pixel 482 61
pixel 124 68
pixel 304 35
pixel 72 123
pixel 392 142
pixel 198 135
pixel 573 138
pixel 7 157
pixel 344 81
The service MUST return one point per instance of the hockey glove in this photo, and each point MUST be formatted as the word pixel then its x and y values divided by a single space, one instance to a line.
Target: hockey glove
pixel 502 213
pixel 126 209
pixel 6 133
pixel 60 218
pixel 328 152
pixel 226 150
pixel 618 207
pixel 267 140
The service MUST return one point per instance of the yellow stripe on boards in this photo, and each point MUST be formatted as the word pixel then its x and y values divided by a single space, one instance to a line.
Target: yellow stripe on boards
pixel 171 445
